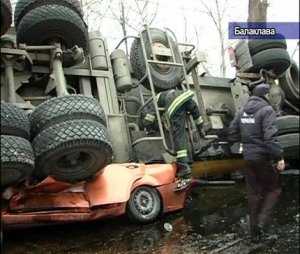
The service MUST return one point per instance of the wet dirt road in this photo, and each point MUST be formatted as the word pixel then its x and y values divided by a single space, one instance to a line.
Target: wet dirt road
pixel 213 219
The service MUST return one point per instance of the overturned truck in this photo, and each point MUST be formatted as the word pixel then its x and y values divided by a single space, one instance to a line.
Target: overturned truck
pixel 69 107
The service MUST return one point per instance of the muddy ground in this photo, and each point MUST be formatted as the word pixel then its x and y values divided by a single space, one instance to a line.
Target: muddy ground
pixel 214 218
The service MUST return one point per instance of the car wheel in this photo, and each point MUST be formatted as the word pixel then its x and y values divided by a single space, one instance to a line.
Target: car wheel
pixel 144 205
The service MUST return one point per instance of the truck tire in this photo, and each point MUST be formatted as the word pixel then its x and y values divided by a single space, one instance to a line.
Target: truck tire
pixel 144 205
pixel 290 83
pixel 287 124
pixel 256 46
pixel 65 108
pixel 77 150
pixel 290 145
pixel 164 78
pixel 24 6
pixel 6 16
pixel 276 59
pixel 47 23
pixel 17 160
pixel 14 121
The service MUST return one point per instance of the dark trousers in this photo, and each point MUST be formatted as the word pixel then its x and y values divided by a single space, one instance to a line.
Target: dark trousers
pixel 178 132
pixel 263 190
pixel 177 122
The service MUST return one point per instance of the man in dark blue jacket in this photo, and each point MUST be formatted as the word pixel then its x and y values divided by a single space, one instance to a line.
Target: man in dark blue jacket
pixel 254 126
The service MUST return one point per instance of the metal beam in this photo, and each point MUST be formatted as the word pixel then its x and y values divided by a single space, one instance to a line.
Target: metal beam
pixel 192 64
pixel 73 72
pixel 58 73
pixel 200 100
pixel 10 81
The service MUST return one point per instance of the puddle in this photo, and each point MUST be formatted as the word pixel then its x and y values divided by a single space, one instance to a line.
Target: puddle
pixel 214 217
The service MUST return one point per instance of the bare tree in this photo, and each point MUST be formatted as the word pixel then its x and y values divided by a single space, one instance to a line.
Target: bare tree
pixel 217 13
pixel 257 10
pixel 94 12
pixel 121 15
pixel 133 14
pixel 143 11
pixel 185 26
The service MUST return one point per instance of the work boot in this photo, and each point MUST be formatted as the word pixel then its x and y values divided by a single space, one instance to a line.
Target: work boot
pixel 260 234
pixel 267 236
pixel 184 176
pixel 267 207
pixel 184 171
pixel 254 204
pixel 256 234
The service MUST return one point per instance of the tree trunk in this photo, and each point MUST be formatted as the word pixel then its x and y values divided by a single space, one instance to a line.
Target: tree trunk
pixel 219 20
pixel 123 24
pixel 222 49
pixel 257 10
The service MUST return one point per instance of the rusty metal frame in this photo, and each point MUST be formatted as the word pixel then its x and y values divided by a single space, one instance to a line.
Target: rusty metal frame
pixel 9 55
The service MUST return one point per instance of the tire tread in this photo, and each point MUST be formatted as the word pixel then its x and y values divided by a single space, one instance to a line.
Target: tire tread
pixel 17 154
pixel 161 81
pixel 69 135
pixel 24 6
pixel 14 121
pixel 65 108
pixel 47 22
